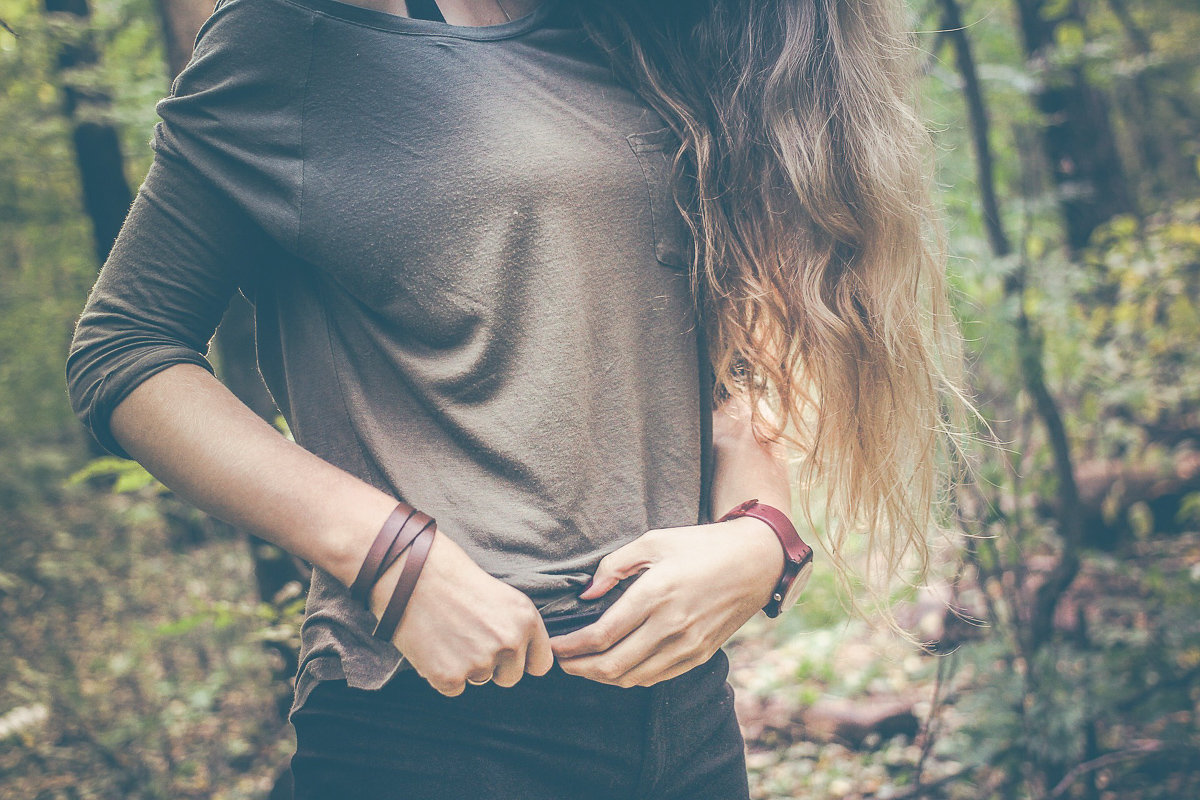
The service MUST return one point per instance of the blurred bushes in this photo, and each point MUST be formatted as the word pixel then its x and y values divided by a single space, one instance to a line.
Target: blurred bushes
pixel 140 639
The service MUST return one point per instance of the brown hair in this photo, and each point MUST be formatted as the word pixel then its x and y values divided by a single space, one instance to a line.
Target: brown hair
pixel 820 256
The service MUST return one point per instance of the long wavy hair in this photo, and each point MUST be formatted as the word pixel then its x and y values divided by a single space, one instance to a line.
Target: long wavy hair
pixel 820 258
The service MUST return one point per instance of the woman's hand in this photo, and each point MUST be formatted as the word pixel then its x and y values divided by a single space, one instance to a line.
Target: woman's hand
pixel 698 585
pixel 462 623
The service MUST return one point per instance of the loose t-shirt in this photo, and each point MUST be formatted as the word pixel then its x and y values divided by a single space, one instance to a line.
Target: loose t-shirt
pixel 469 276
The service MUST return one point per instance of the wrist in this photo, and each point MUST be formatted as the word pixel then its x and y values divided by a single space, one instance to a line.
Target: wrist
pixel 382 591
pixel 764 555
pixel 349 539
pixel 798 556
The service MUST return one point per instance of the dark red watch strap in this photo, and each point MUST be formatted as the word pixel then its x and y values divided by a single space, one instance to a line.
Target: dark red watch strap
pixel 796 551
pixel 370 571
pixel 739 509
pixel 407 582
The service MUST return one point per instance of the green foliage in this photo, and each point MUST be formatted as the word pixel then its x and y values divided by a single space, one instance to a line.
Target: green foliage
pixel 1138 364
pixel 130 476
pixel 46 259
pixel 145 648
pixel 139 662
pixel 1126 673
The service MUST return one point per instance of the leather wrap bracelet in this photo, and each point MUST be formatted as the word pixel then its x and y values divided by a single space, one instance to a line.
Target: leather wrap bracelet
pixel 408 533
pixel 407 582
pixel 404 527
pixel 372 567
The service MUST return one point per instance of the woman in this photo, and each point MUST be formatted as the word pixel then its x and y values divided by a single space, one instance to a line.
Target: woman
pixel 503 263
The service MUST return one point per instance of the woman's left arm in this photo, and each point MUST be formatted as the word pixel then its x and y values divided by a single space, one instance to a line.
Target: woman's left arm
pixel 701 582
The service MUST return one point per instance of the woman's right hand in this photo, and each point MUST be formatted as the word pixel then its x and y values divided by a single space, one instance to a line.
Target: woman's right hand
pixel 462 623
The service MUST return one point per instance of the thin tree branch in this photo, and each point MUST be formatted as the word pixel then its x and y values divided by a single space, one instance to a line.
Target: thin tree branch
pixel 956 33
pixel 1076 772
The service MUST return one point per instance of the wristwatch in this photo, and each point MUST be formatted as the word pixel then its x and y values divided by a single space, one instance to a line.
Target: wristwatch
pixel 799 556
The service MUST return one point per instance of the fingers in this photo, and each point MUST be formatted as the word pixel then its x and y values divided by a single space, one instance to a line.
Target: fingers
pixel 539 658
pixel 622 563
pixel 526 643
pixel 612 664
pixel 450 688
pixel 666 663
pixel 643 658
pixel 510 667
pixel 617 622
pixel 523 648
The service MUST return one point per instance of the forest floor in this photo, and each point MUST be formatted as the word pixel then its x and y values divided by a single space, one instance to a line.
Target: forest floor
pixel 836 711
pixel 833 708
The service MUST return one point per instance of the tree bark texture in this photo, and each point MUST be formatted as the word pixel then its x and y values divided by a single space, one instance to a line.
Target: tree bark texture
pixel 105 190
pixel 1077 133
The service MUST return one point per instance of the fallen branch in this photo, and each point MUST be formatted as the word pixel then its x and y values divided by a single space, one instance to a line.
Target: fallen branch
pixel 1079 770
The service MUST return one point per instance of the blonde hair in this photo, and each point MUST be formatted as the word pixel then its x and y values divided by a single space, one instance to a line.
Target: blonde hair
pixel 820 259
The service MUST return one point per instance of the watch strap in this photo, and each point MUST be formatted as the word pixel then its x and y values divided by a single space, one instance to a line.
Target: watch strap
pixel 797 553
pixel 795 548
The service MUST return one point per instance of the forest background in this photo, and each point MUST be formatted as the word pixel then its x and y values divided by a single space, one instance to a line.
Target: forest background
pixel 147 650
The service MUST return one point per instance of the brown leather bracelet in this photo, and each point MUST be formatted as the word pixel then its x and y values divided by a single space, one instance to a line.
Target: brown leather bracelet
pixel 370 571
pixel 408 533
pixel 407 582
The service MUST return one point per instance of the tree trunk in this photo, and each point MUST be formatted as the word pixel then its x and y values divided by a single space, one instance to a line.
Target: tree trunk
pixel 181 21
pixel 1160 121
pixel 106 193
pixel 1077 134
pixel 1030 354
pixel 1029 346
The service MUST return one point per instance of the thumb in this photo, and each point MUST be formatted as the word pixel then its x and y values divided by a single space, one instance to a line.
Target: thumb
pixel 621 563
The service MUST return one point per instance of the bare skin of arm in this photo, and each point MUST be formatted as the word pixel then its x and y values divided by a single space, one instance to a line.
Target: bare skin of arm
pixel 191 433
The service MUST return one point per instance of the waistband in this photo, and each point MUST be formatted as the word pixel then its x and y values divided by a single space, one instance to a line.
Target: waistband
pixel 559 624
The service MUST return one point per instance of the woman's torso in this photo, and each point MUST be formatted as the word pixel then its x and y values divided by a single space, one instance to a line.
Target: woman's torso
pixel 473 288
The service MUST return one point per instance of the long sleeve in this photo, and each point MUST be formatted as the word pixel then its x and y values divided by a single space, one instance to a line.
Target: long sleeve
pixel 222 189
pixel 179 258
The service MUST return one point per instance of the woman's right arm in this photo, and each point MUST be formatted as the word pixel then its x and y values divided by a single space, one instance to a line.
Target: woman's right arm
pixel 221 198
pixel 189 431
pixel 194 435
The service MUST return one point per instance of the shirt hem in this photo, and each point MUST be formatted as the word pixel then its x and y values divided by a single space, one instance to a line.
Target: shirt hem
pixel 329 667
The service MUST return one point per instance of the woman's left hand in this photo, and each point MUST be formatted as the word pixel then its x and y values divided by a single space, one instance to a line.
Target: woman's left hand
pixel 700 583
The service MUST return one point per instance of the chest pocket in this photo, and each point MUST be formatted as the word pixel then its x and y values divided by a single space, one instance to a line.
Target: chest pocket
pixel 674 244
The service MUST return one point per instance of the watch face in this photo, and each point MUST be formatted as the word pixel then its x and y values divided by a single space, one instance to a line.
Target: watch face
pixel 793 592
